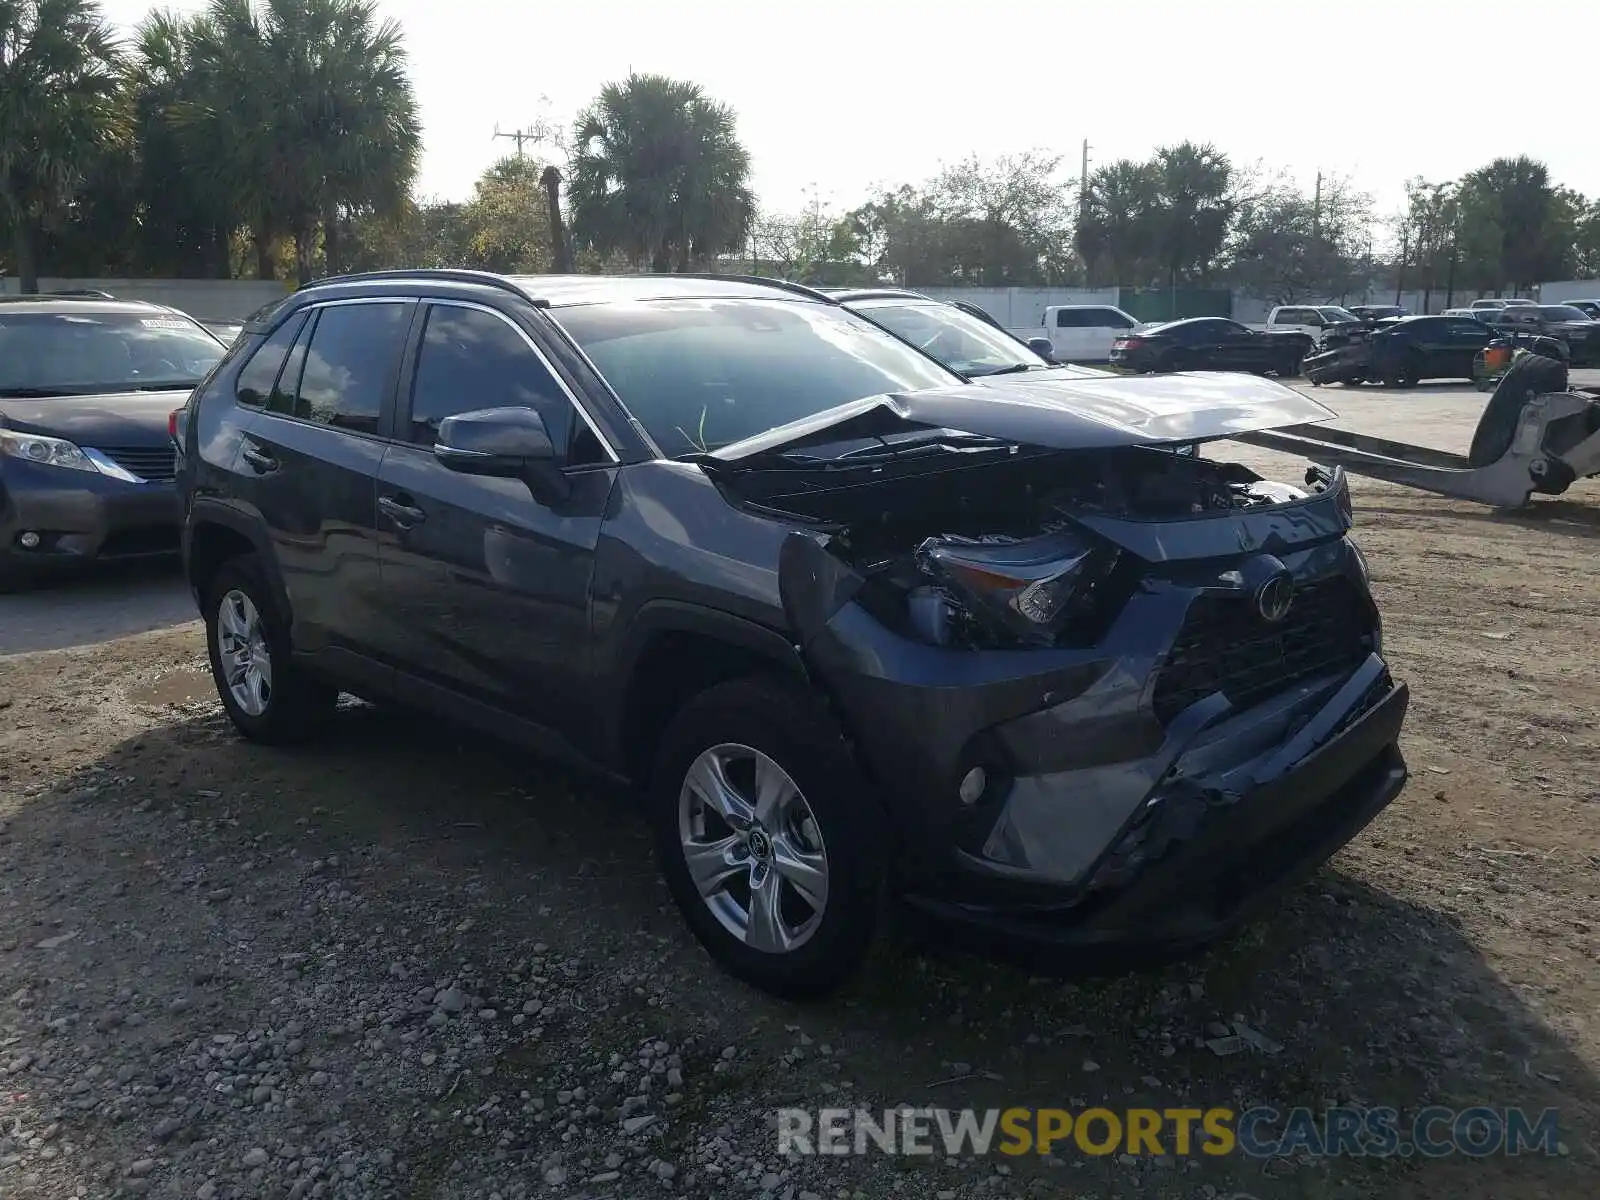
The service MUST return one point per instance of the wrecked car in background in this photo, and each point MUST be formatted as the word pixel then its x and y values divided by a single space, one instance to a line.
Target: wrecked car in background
pixel 853 623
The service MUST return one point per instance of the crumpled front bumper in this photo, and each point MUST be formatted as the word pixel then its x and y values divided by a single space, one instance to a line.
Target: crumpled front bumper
pixel 1102 823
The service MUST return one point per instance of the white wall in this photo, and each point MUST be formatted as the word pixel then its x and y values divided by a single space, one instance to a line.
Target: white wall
pixel 1569 289
pixel 203 299
pixel 1019 307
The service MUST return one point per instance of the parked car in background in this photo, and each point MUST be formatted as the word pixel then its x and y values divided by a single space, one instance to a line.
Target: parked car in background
pixel 1486 315
pixel 86 458
pixel 225 331
pixel 1564 322
pixel 1377 312
pixel 1500 302
pixel 847 620
pixel 1315 321
pixel 955 337
pixel 1211 344
pixel 1590 308
pixel 1082 333
pixel 1412 349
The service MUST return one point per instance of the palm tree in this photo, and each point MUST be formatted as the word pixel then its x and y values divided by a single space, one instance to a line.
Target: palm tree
pixel 187 229
pixel 659 175
pixel 305 111
pixel 60 93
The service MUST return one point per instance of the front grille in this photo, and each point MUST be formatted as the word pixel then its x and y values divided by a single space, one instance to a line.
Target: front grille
pixel 1225 646
pixel 156 463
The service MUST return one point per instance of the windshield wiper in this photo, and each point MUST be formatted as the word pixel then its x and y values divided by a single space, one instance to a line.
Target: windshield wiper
pixel 34 393
pixel 1014 369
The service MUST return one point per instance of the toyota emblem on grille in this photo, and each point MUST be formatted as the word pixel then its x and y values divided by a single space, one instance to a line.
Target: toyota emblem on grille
pixel 1274 597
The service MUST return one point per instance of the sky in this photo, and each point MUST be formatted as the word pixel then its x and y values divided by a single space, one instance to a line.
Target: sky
pixel 836 98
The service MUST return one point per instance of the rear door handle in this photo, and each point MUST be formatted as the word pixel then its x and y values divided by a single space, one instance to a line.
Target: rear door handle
pixel 259 459
pixel 403 515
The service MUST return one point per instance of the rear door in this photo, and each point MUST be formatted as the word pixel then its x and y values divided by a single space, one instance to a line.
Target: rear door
pixel 308 464
pixel 1466 338
pixel 489 587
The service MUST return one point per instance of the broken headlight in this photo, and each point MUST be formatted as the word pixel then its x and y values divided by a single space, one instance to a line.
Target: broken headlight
pixel 1032 588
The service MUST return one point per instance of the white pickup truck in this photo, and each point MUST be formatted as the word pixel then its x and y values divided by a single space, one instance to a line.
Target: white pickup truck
pixel 1080 333
pixel 1313 320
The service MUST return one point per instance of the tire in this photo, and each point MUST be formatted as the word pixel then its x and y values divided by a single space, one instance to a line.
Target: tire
pixel 739 724
pixel 293 705
pixel 1290 369
pixel 1527 377
pixel 15 576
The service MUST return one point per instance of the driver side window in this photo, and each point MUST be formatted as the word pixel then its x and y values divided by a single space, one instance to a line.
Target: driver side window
pixel 471 359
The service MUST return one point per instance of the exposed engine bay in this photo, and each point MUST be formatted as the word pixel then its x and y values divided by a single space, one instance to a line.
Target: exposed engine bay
pixel 989 554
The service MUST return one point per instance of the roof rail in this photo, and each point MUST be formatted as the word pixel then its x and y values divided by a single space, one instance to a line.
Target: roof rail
pixel 85 293
pixel 442 274
pixel 798 289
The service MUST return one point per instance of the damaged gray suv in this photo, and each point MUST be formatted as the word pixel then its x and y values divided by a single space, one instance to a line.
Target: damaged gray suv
pixel 857 627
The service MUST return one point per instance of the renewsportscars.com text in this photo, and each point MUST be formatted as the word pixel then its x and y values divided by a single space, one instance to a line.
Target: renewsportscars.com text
pixel 1255 1132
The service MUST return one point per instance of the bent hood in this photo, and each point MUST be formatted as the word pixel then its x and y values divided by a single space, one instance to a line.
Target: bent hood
pixel 1060 414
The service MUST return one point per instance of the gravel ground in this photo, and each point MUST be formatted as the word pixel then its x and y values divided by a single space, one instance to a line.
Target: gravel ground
pixel 408 962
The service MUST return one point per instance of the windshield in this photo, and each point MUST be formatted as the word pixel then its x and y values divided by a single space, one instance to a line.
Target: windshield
pixel 1562 312
pixel 1335 313
pixel 85 353
pixel 958 339
pixel 699 374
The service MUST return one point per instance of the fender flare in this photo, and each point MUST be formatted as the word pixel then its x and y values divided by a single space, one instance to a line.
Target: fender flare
pixel 212 512
pixel 656 618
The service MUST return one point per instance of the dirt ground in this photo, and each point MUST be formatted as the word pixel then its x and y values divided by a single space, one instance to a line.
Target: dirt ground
pixel 407 962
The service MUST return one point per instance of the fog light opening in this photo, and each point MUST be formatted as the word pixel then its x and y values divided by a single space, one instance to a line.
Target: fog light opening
pixel 973 784
pixel 28 539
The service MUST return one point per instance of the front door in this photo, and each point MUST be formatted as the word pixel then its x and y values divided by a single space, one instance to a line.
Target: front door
pixel 308 464
pixel 490 588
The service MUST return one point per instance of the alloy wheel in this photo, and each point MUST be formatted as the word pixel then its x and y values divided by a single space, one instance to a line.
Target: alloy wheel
pixel 753 848
pixel 246 657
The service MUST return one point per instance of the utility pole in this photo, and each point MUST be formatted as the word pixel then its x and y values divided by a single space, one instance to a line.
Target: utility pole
pixel 1083 185
pixel 519 136
pixel 1316 209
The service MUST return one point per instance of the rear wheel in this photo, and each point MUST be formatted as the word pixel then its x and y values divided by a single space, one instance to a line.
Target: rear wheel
pixel 267 696
pixel 768 837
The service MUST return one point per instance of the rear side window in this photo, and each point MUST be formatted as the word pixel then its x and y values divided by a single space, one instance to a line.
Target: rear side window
pixel 261 372
pixel 1290 316
pixel 349 365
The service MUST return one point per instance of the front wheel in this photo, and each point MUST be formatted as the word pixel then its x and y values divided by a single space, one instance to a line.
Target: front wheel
pixel 768 836
pixel 268 697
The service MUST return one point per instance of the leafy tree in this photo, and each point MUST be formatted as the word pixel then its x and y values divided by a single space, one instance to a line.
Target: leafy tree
pixel 996 223
pixel 1522 225
pixel 814 246
pixel 1586 242
pixel 507 220
pixel 1288 246
pixel 60 93
pixel 658 174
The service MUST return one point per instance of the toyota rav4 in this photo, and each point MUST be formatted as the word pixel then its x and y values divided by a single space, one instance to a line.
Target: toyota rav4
pixel 858 628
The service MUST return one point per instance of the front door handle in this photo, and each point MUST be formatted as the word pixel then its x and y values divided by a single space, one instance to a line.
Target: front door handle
pixel 403 515
pixel 259 459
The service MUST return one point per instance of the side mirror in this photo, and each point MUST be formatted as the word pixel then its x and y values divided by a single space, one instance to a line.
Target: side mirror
pixel 1043 347
pixel 506 443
